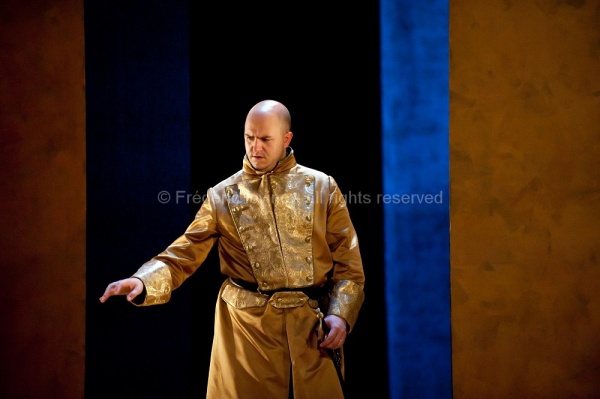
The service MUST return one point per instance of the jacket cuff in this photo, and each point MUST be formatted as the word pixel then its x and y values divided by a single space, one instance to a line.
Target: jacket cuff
pixel 157 283
pixel 346 300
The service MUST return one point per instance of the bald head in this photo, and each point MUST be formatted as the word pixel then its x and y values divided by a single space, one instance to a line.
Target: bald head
pixel 267 108
pixel 267 134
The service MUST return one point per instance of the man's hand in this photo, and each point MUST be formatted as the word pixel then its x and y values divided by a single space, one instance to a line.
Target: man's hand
pixel 131 287
pixel 338 331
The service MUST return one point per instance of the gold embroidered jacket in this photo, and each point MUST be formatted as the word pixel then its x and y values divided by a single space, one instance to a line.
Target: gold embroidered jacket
pixel 286 228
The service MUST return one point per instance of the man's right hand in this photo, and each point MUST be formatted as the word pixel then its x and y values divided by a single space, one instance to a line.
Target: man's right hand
pixel 131 287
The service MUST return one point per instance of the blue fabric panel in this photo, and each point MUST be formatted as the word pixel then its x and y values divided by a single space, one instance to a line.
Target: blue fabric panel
pixel 414 93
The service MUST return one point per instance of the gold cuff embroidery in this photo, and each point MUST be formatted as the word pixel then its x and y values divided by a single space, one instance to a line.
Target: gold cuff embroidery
pixel 157 281
pixel 346 299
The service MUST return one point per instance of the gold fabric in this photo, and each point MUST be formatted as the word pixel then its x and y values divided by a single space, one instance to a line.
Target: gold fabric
pixel 157 282
pixel 289 228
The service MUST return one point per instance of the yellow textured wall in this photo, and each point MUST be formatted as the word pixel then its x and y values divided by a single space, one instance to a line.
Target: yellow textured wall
pixel 525 198
pixel 42 201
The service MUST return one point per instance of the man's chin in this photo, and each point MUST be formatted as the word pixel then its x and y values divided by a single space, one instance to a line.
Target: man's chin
pixel 258 166
pixel 258 163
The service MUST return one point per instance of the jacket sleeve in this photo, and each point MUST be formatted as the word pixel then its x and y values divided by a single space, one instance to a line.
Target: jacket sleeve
pixel 348 277
pixel 169 269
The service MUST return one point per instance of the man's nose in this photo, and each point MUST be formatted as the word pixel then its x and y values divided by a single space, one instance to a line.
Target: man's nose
pixel 257 145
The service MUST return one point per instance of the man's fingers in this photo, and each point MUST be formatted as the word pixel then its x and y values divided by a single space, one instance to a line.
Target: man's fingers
pixel 107 293
pixel 131 287
pixel 334 341
pixel 132 295
pixel 112 289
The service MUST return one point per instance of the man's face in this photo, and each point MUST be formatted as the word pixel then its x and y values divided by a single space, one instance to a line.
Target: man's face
pixel 265 141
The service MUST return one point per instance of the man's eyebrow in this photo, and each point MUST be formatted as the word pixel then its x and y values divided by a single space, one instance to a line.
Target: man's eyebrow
pixel 266 136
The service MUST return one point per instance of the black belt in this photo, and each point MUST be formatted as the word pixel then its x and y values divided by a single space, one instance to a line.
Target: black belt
pixel 311 292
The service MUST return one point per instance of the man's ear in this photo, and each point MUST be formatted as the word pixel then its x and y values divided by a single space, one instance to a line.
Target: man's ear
pixel 287 138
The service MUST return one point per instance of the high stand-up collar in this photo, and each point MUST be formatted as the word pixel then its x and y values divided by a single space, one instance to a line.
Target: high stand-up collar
pixel 285 164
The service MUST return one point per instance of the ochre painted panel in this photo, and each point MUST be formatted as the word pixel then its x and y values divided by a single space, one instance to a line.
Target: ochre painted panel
pixel 525 198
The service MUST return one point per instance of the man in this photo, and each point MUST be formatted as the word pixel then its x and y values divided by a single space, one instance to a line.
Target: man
pixel 295 277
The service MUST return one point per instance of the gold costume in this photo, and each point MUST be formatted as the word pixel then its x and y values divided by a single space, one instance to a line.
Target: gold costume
pixel 284 229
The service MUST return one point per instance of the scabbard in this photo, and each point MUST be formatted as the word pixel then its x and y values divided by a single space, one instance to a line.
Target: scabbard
pixel 336 356
pixel 321 330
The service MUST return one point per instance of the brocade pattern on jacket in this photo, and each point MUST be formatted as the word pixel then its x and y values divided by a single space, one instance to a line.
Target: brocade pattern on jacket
pixel 288 228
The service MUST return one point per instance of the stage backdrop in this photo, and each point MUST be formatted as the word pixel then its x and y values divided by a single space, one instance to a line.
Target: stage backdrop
pixel 524 178
pixel 414 93
pixel 525 198
pixel 42 201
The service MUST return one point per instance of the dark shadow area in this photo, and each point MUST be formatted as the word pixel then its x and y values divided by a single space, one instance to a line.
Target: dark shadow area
pixel 137 137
